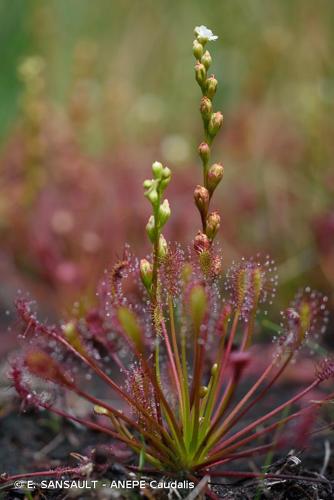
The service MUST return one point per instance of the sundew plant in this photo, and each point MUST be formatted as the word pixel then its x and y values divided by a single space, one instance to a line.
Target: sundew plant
pixel 171 337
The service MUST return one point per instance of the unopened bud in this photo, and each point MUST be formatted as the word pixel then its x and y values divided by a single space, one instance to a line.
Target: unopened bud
pixel 157 169
pixel 150 228
pixel 163 247
pixel 212 224
pixel 206 108
pixel 147 184
pixel 146 273
pixel 100 410
pixel 200 74
pixel 164 212
pixel 197 49
pixel 202 198
pixel 201 243
pixel 152 195
pixel 215 175
pixel 215 123
pixel 166 172
pixel 206 59
pixel 204 151
pixel 203 391
pixel 166 177
pixel 214 369
pixel 211 86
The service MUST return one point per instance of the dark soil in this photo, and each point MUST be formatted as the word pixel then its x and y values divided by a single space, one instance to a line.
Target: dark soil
pixel 311 485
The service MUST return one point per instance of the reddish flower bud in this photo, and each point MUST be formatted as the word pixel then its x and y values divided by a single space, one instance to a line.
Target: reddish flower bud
pixel 200 73
pixel 212 224
pixel 202 198
pixel 211 86
pixel 204 151
pixel 206 108
pixel 197 49
pixel 215 175
pixel 216 122
pixel 206 59
pixel 201 243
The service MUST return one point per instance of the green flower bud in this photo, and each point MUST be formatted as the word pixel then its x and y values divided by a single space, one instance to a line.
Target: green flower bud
pixel 152 195
pixel 215 175
pixel 166 173
pixel 147 184
pixel 150 228
pixel 212 224
pixel 203 391
pixel 202 198
pixel 211 86
pixel 215 123
pixel 165 183
pixel 200 74
pixel 166 177
pixel 206 59
pixel 100 410
pixel 206 108
pixel 197 49
pixel 204 151
pixel 146 273
pixel 164 212
pixel 157 169
pixel 214 369
pixel 163 247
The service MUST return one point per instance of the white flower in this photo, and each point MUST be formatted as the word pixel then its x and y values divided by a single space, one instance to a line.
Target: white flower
pixel 204 34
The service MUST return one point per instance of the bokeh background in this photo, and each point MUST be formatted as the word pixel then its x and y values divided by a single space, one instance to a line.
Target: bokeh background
pixel 92 92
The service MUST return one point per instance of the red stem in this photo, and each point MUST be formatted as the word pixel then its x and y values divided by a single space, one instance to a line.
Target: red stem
pixel 88 361
pixel 157 443
pixel 272 413
pixel 44 473
pixel 223 368
pixel 260 395
pixel 171 360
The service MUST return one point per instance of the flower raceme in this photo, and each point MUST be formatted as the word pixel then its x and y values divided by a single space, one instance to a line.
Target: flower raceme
pixel 180 341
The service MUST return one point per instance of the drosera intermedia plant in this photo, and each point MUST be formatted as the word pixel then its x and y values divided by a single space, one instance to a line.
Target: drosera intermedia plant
pixel 180 334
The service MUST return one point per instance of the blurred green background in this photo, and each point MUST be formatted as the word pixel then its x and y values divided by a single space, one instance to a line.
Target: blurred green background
pixel 120 73
pixel 276 52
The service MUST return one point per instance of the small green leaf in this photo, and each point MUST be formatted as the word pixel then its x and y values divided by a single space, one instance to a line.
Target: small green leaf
pixel 198 305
